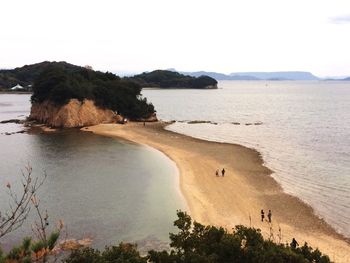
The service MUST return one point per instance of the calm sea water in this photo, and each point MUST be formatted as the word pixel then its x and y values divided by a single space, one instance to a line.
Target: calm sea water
pixel 103 188
pixel 302 131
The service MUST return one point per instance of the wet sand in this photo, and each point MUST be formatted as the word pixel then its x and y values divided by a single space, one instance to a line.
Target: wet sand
pixel 238 197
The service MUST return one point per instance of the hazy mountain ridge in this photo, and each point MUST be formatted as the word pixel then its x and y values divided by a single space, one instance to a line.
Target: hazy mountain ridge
pixel 279 75
pixel 218 76
pixel 273 75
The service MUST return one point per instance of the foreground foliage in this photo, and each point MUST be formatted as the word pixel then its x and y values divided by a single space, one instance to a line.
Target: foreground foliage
pixel 31 251
pixel 205 244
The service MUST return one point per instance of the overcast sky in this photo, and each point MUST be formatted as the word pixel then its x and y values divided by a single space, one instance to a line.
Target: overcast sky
pixel 223 36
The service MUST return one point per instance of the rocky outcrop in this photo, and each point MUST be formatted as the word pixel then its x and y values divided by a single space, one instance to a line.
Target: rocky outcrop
pixel 73 114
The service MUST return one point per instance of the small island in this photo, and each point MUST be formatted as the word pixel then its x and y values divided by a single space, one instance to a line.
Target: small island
pixel 77 96
pixel 171 79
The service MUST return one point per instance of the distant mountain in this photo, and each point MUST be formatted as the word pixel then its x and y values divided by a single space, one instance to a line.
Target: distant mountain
pixel 217 76
pixel 347 79
pixel 280 75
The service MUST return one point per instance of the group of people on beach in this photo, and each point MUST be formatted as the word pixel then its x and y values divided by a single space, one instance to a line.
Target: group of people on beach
pixel 222 172
pixel 269 216
pixel 294 244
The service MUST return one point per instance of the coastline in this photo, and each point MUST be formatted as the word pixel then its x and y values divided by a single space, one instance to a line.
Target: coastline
pixel 238 197
pixel 15 92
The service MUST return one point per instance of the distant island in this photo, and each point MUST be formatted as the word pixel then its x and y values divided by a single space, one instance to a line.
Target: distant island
pixel 173 79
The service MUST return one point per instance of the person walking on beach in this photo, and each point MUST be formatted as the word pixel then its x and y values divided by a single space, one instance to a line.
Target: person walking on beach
pixel 294 243
pixel 217 172
pixel 269 215
pixel 223 172
pixel 262 215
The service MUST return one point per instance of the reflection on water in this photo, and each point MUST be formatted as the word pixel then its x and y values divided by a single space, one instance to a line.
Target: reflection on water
pixel 303 133
pixel 101 187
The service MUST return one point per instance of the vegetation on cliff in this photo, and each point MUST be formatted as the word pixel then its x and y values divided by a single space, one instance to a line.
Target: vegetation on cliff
pixel 58 83
pixel 172 79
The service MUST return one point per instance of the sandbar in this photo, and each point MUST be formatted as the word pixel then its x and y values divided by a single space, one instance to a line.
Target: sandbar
pixel 238 197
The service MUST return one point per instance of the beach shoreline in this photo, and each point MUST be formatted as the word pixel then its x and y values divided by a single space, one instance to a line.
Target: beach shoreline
pixel 238 197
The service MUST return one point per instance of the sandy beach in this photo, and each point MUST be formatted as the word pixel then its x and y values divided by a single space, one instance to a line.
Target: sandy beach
pixel 238 197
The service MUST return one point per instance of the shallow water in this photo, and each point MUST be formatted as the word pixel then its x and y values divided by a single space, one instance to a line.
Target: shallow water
pixel 103 188
pixel 302 130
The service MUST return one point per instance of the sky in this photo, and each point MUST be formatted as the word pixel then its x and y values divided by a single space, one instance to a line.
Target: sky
pixel 188 35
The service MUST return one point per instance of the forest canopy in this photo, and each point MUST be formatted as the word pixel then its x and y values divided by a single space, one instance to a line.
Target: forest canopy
pixel 172 79
pixel 58 84
pixel 26 75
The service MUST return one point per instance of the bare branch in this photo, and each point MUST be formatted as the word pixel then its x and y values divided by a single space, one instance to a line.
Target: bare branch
pixel 19 205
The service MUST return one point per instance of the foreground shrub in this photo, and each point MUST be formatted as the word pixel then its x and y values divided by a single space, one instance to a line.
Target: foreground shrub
pixel 196 243
pixel 124 253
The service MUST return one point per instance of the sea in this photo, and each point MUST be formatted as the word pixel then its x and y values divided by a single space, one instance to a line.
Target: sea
pixel 301 128
pixel 111 190
pixel 103 189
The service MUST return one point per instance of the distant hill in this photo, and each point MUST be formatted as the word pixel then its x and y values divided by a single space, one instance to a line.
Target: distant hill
pixel 173 79
pixel 347 79
pixel 26 75
pixel 282 75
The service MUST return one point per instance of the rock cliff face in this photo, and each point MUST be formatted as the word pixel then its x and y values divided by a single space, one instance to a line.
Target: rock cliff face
pixel 73 114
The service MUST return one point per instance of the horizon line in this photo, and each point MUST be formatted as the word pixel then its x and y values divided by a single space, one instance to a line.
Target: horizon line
pixel 125 72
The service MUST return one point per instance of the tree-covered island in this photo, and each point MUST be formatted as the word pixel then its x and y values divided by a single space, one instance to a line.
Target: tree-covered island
pixel 59 84
pixel 173 79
